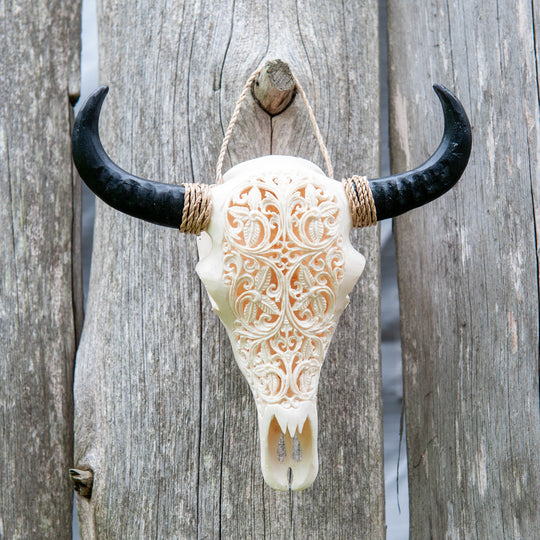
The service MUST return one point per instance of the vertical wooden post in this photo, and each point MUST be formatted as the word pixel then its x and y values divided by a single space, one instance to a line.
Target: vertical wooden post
pixel 39 71
pixel 468 270
pixel 163 415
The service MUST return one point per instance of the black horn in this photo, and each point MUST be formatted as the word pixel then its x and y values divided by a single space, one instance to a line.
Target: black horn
pixel 400 193
pixel 155 202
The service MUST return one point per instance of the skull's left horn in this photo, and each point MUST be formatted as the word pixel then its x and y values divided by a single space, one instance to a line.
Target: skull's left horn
pixel 400 193
pixel 155 202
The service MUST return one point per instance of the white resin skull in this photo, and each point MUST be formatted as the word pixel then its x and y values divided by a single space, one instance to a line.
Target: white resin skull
pixel 278 265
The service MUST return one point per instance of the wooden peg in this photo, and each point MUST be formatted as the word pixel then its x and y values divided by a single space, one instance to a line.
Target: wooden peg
pixel 274 89
pixel 83 480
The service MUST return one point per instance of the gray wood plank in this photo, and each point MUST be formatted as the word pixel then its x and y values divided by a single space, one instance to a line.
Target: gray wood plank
pixel 39 71
pixel 163 414
pixel 468 270
pixel 76 247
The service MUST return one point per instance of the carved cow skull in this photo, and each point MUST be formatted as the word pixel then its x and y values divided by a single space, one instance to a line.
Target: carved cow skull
pixel 277 264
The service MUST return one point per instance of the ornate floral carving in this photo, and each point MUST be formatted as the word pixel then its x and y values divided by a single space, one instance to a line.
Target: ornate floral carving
pixel 283 264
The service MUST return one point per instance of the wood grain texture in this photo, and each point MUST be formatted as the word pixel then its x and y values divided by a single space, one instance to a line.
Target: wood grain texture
pixel 163 414
pixel 468 270
pixel 39 71
pixel 76 245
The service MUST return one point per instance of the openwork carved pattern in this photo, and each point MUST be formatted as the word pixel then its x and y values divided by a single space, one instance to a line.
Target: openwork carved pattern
pixel 283 264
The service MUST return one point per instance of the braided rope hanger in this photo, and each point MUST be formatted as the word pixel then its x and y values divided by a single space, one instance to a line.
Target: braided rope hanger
pixel 197 202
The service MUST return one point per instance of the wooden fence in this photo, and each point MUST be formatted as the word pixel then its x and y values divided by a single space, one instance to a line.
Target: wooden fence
pixel 161 413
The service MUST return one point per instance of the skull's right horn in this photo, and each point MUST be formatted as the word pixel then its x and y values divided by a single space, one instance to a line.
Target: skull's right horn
pixel 400 193
pixel 156 202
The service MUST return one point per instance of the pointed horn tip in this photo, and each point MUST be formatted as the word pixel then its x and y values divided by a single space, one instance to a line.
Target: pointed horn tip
pixel 98 95
pixel 95 99
pixel 90 110
pixel 447 97
pixel 444 94
pixel 440 88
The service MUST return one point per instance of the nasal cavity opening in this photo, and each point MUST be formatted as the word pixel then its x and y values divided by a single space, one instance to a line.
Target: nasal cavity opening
pixel 281 450
pixel 288 446
pixel 296 448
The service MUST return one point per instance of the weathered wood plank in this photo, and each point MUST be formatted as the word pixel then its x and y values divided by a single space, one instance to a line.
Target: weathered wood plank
pixel 39 71
pixel 468 270
pixel 76 244
pixel 163 415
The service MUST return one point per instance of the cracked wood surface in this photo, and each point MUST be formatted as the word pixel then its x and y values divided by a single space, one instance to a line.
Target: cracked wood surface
pixel 468 270
pixel 163 415
pixel 39 309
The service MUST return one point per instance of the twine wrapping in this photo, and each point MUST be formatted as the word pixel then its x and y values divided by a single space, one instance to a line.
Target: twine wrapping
pixel 361 203
pixel 197 208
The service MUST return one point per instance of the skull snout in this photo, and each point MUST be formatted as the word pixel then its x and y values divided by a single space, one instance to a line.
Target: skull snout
pixel 288 445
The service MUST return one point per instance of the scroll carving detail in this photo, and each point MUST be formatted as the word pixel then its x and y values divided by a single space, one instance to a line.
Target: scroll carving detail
pixel 283 264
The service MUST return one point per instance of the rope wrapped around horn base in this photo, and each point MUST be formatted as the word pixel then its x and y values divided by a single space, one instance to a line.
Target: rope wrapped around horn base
pixel 361 203
pixel 197 208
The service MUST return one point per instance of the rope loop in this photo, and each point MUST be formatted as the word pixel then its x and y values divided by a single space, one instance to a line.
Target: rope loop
pixel 198 203
pixel 234 118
